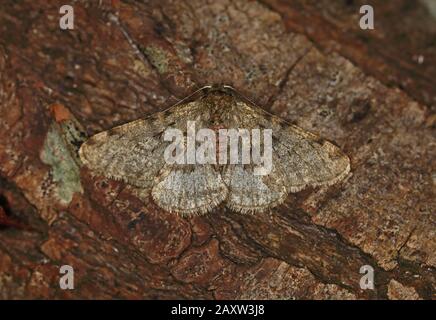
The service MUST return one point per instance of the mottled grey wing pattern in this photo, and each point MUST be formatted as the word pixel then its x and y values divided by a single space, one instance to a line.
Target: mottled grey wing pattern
pixel 133 152
pixel 120 155
pixel 308 160
pixel 249 193
pixel 191 189
pixel 303 158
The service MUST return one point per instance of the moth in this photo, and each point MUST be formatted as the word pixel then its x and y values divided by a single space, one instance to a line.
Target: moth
pixel 137 153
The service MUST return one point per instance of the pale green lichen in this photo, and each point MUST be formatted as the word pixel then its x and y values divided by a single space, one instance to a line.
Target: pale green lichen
pixel 64 169
pixel 158 58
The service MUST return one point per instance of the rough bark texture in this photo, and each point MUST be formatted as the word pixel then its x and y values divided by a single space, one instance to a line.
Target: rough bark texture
pixel 371 92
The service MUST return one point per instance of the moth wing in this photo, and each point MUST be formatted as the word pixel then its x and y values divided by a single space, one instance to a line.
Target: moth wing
pixel 308 160
pixel 134 152
pixel 250 193
pixel 189 189
pixel 302 157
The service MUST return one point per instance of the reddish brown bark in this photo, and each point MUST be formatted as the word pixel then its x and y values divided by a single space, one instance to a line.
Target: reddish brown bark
pixel 306 61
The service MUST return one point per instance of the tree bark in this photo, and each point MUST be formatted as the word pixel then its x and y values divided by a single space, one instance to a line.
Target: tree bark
pixel 371 92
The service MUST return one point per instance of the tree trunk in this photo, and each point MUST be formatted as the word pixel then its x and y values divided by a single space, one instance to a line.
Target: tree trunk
pixel 372 92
